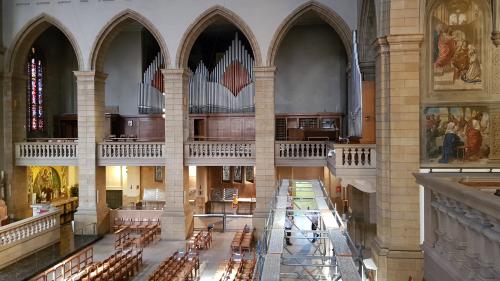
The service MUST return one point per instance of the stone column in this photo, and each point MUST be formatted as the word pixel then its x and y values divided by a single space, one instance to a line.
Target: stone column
pixel 265 173
pixel 14 130
pixel 396 248
pixel 92 216
pixel 176 222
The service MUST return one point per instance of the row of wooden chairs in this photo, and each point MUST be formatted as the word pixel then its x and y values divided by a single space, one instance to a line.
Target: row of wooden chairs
pixel 146 237
pixel 137 224
pixel 239 270
pixel 242 241
pixel 69 267
pixel 178 267
pixel 200 240
pixel 120 266
pixel 123 239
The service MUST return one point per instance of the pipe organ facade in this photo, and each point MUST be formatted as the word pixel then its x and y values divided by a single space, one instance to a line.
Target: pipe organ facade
pixel 228 88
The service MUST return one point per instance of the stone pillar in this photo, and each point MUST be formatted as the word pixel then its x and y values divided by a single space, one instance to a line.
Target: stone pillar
pixel 92 216
pixel 265 173
pixel 176 222
pixel 14 130
pixel 396 248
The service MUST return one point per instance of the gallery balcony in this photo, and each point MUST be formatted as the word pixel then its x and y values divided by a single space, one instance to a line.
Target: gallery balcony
pixel 461 226
pixel 47 152
pixel 300 153
pixel 219 153
pixel 131 153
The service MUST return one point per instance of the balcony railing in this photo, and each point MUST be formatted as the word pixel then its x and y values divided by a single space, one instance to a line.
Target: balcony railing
pixel 131 153
pixel 300 153
pixel 461 227
pixel 354 155
pixel 220 153
pixel 23 237
pixel 46 153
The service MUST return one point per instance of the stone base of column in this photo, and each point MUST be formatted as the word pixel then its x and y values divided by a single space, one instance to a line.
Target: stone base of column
pixel 259 223
pixel 176 225
pixel 91 222
pixel 394 265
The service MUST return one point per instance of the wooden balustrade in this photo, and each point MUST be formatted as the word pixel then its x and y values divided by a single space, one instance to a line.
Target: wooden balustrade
pixel 462 227
pixel 131 153
pixel 19 239
pixel 46 153
pixel 220 153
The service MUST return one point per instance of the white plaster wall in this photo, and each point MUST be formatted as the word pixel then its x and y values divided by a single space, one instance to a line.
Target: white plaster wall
pixel 123 64
pixel 311 71
pixel 84 19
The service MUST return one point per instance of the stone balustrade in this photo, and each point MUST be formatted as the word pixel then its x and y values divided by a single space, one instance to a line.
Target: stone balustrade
pixel 24 237
pixel 131 153
pixel 462 228
pixel 212 153
pixel 354 155
pixel 46 153
pixel 301 153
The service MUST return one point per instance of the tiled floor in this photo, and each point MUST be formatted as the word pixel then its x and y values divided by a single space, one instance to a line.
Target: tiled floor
pixel 160 250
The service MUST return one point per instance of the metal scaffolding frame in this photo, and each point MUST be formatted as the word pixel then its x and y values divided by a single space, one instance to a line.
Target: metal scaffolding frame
pixel 328 258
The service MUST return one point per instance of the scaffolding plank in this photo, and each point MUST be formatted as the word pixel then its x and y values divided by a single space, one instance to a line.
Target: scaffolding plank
pixel 339 243
pixel 284 188
pixel 321 203
pixel 348 269
pixel 281 202
pixel 271 269
pixel 276 241
pixel 329 220
pixel 279 219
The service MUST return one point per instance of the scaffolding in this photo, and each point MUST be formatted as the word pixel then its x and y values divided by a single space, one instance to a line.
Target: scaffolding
pixel 323 253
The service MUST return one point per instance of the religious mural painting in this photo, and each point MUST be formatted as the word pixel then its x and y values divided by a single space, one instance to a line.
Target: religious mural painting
pixel 47 183
pixel 457 135
pixel 456 46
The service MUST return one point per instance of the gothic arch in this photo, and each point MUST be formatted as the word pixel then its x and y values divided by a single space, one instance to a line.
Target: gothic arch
pixel 17 53
pixel 325 13
pixel 202 22
pixel 113 28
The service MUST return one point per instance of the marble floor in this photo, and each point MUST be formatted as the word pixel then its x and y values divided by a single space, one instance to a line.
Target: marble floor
pixel 160 250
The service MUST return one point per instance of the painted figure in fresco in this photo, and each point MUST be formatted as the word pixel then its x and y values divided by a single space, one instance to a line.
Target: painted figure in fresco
pixel 460 60
pixel 446 46
pixel 450 142
pixel 432 133
pixel 474 137
pixel 473 74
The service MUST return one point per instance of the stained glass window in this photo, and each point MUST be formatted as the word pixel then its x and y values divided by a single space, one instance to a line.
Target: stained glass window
pixel 35 91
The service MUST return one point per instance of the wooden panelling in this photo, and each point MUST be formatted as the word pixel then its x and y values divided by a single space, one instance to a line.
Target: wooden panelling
pixel 145 128
pixel 368 112
pixel 222 127
pixel 308 126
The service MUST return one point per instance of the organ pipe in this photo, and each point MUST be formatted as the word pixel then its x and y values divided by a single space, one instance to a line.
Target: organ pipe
pixel 228 88
pixel 151 99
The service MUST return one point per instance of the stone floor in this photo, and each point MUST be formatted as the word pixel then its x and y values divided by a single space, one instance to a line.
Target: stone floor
pixel 160 250
pixel 43 259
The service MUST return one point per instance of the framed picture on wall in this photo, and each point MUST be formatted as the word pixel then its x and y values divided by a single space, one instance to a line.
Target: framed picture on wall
pixel 158 173
pixel 238 174
pixel 226 173
pixel 249 173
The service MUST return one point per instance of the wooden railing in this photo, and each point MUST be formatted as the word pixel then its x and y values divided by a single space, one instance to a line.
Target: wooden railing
pixel 46 153
pixel 462 226
pixel 354 155
pixel 220 153
pixel 131 153
pixel 16 238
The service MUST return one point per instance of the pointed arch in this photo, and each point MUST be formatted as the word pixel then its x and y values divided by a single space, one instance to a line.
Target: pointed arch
pixel 206 19
pixel 325 13
pixel 113 28
pixel 18 52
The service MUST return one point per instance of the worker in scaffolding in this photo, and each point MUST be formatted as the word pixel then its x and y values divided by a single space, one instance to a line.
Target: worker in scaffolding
pixel 288 228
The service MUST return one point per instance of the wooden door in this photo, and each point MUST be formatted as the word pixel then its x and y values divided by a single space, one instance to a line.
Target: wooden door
pixel 368 112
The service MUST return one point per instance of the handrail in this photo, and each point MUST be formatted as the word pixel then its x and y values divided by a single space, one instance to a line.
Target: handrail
pixel 14 232
pixel 212 149
pixel 65 150
pixel 109 150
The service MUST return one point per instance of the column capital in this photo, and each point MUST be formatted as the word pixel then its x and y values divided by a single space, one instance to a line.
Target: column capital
pixel 176 72
pixel 406 42
pixel 495 37
pixel 381 45
pixel 264 71
pixel 90 75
